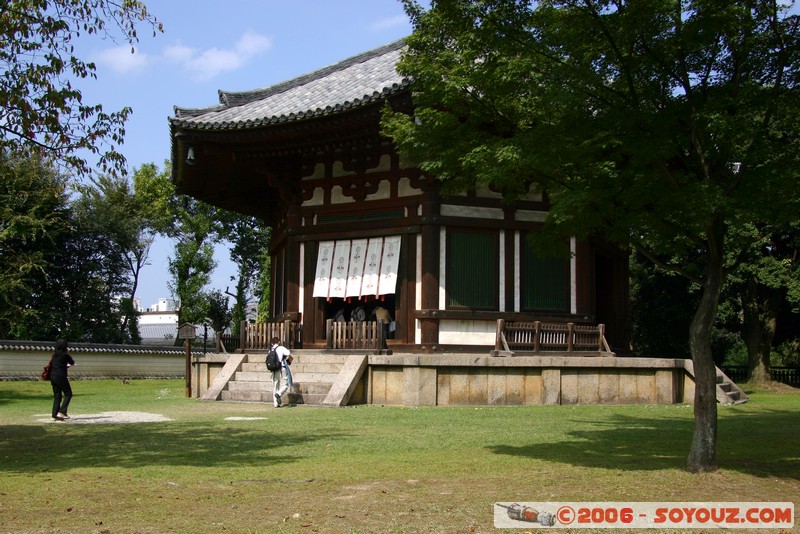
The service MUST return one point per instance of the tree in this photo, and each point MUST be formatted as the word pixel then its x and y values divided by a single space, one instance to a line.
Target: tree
pixel 661 306
pixel 76 293
pixel 218 314
pixel 33 212
pixel 250 239
pixel 768 281
pixel 663 126
pixel 40 109
pixel 128 218
pixel 195 231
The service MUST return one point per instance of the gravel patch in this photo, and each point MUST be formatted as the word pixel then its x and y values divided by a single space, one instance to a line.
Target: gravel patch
pixel 107 418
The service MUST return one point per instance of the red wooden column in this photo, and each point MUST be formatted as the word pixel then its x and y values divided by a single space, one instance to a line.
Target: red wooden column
pixel 431 225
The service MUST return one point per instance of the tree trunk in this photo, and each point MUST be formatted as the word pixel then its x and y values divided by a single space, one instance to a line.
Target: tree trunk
pixel 760 319
pixel 703 452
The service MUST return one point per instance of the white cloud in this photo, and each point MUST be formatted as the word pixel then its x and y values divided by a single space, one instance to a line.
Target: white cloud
pixel 179 53
pixel 205 65
pixel 121 60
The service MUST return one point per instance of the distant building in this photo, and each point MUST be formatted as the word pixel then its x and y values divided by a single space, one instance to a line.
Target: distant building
pixel 158 325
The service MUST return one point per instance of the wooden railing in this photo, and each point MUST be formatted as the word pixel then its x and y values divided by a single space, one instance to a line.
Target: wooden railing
pixel 257 336
pixel 524 338
pixel 353 335
pixel 229 343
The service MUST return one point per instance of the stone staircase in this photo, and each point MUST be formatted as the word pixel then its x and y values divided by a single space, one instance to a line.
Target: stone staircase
pixel 727 391
pixel 314 374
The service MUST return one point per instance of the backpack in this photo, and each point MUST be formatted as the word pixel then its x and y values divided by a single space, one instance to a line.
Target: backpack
pixel 273 362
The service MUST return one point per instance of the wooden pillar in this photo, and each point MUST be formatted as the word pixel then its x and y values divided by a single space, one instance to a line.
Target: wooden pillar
pixel 292 266
pixel 430 269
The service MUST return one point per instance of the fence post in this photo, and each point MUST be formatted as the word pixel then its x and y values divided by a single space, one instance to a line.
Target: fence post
pixel 243 335
pixel 501 325
pixel 537 334
pixel 287 333
pixel 380 337
pixel 329 334
pixel 601 334
pixel 570 335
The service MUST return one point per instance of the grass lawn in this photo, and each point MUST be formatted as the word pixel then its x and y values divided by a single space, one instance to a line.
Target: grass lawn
pixel 239 467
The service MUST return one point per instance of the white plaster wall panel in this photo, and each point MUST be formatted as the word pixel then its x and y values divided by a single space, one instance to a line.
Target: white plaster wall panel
pixel 459 332
pixel 317 174
pixel 530 216
pixel 317 199
pixel 404 188
pixel 338 170
pixel 384 191
pixel 338 198
pixel 384 164
pixel 450 210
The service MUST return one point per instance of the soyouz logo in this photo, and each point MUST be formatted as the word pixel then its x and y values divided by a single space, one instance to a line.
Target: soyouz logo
pixel 644 514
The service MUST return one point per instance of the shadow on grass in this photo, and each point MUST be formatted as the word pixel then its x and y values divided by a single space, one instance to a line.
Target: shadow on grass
pixel 43 391
pixel 763 444
pixel 60 447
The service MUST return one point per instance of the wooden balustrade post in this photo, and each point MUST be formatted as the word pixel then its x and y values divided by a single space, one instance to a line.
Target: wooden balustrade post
pixel 329 334
pixel 243 335
pixel 570 336
pixel 501 325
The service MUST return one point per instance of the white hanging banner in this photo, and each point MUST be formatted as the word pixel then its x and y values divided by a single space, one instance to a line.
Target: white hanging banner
pixel 372 267
pixel 324 262
pixel 341 261
pixel 389 264
pixel 358 253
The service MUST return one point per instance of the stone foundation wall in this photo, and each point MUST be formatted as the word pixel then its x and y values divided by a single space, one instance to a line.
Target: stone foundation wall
pixel 457 380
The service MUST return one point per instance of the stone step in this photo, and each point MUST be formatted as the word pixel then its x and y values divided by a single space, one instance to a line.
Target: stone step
pixel 266 397
pixel 307 387
pixel 247 376
pixel 313 375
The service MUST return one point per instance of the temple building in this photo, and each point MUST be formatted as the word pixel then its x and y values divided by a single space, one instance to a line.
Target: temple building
pixel 359 232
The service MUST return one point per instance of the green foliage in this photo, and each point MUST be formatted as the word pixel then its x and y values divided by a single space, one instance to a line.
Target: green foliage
pixel 662 305
pixel 33 212
pixel 218 312
pixel 265 288
pixel 250 240
pixel 40 109
pixel 665 127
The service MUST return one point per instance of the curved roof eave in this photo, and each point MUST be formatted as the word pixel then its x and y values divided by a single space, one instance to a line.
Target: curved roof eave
pixel 350 84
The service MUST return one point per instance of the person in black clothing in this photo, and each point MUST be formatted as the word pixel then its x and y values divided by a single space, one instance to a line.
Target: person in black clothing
pixel 62 391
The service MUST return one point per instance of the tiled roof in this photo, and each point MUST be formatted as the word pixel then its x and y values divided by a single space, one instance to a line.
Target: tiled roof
pixel 77 348
pixel 349 84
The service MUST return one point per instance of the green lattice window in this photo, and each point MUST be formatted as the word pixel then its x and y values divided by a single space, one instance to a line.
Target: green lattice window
pixel 472 276
pixel 545 280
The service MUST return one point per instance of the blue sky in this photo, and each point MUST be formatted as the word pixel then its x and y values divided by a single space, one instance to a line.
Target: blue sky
pixel 235 45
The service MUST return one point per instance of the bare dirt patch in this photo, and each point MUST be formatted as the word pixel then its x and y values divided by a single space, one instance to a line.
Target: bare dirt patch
pixel 107 418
